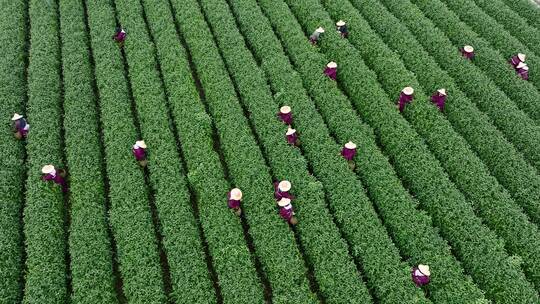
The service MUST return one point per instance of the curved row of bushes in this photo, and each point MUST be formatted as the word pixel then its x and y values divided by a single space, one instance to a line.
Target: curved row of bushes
pixel 488 262
pixel 317 232
pixel 492 57
pixel 492 201
pixel 129 214
pixel 516 25
pixel 89 244
pixel 181 242
pixel 272 238
pixel 44 214
pixel 236 273
pixel 419 241
pixel 12 99
pixel 497 153
pixel 527 10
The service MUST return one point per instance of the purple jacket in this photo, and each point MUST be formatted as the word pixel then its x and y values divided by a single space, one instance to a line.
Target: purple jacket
pixel 439 100
pixel 119 36
pixel 286 118
pixel 232 203
pixel 514 61
pixel 139 154
pixel 523 74
pixel 291 139
pixel 348 154
pixel 419 278
pixel 280 194
pixel 285 213
pixel 57 179
pixel 21 126
pixel 466 55
pixel 331 72
pixel 404 99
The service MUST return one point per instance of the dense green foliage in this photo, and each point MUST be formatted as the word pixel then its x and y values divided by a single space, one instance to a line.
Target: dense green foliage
pixel 202 81
pixel 129 212
pixel 491 201
pixel 527 10
pixel 44 213
pixel 512 22
pixel 420 170
pixel 236 273
pixel 504 79
pixel 12 99
pixel 89 245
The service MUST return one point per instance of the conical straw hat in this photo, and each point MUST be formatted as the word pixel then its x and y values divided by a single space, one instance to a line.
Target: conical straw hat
pixel 521 56
pixel 47 169
pixel 442 91
pixel 319 30
pixel 285 110
pixel 340 23
pixel 236 194
pixel 468 49
pixel 424 269
pixel 332 65
pixel 141 143
pixel 408 91
pixel 350 145
pixel 290 131
pixel 284 186
pixel 16 117
pixel 521 65
pixel 284 202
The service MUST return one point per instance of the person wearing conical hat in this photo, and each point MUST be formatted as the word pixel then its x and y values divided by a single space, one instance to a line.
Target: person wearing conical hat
pixel 523 71
pixel 439 98
pixel 420 275
pixel 281 190
pixel 331 70
pixel 516 59
pixel 349 152
pixel 285 115
pixel 291 136
pixel 314 38
pixel 139 151
pixel 234 198
pixel 119 36
pixel 405 97
pixel 342 28
pixel 467 51
pixel 50 173
pixel 20 126
pixel 286 211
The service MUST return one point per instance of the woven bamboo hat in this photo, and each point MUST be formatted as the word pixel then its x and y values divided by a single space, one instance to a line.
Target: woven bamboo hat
pixel 424 269
pixel 468 49
pixel 521 65
pixel 285 109
pixel 526 68
pixel 47 169
pixel 350 145
pixel 442 91
pixel 290 131
pixel 16 117
pixel 408 90
pixel 284 186
pixel 141 143
pixel 319 30
pixel 340 23
pixel 332 65
pixel 521 56
pixel 284 202
pixel 236 194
